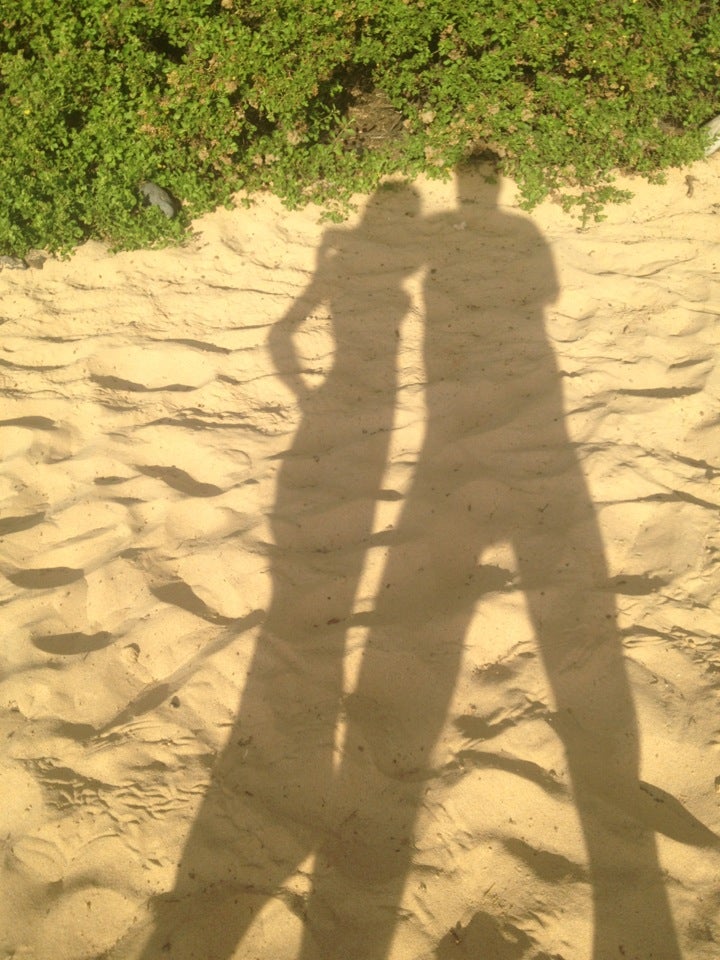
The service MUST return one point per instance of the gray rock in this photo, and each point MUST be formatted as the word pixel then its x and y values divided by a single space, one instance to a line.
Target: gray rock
pixel 36 258
pixel 12 263
pixel 157 197
pixel 713 131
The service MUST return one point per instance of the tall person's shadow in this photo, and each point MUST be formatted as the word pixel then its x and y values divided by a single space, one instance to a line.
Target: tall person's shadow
pixel 497 465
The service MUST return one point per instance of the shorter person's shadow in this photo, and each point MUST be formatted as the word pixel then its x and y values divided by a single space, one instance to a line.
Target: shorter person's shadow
pixel 271 804
pixel 328 828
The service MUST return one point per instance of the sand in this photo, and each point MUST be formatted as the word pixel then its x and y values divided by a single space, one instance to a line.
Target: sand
pixel 359 585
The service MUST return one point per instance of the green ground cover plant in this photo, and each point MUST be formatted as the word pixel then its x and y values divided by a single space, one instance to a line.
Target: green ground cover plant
pixel 316 99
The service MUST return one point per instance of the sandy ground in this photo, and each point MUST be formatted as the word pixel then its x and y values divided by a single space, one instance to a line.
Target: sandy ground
pixel 359 586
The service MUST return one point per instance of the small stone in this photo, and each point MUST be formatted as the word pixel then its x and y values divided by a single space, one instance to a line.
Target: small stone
pixel 12 263
pixel 157 197
pixel 712 129
pixel 36 258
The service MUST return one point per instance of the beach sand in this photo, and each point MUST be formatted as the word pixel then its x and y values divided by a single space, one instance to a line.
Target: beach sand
pixel 359 585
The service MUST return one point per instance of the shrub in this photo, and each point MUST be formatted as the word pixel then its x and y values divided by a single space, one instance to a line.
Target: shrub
pixel 205 97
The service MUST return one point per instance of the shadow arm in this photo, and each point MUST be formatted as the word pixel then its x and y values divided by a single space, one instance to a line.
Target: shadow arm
pixel 282 345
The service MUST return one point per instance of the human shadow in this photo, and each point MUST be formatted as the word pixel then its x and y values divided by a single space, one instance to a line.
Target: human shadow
pixel 269 802
pixel 496 465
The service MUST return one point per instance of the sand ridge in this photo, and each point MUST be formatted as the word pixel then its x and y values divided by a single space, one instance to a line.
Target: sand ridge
pixel 359 585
